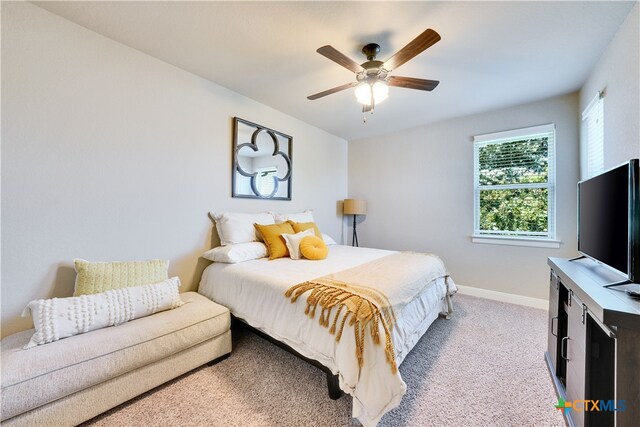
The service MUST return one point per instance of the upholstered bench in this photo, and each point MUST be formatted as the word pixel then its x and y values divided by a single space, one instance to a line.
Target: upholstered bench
pixel 74 379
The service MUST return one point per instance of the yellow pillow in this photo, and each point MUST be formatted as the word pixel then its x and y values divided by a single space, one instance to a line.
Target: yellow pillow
pixel 96 277
pixel 302 226
pixel 312 247
pixel 272 236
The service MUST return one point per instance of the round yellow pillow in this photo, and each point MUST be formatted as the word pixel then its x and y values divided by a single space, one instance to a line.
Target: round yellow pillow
pixel 313 247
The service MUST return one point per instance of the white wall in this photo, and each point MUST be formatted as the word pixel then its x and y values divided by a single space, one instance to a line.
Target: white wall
pixel 618 73
pixel 418 185
pixel 110 154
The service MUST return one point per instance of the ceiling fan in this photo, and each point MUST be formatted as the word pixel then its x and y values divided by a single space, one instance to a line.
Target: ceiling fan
pixel 372 76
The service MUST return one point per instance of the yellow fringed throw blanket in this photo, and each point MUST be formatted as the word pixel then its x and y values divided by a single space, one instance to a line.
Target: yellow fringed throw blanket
pixel 398 278
pixel 365 306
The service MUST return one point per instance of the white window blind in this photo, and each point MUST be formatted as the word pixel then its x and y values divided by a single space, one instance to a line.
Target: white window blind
pixel 514 183
pixel 593 126
pixel 265 180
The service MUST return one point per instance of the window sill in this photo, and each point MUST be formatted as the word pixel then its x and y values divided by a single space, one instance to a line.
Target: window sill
pixel 516 241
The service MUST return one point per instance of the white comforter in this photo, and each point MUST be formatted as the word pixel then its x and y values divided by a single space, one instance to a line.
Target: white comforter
pixel 254 292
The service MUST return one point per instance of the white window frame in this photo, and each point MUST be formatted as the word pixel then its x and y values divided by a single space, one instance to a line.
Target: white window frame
pixel 547 239
pixel 593 128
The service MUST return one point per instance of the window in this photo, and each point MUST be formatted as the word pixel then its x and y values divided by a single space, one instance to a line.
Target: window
pixel 593 128
pixel 265 180
pixel 514 173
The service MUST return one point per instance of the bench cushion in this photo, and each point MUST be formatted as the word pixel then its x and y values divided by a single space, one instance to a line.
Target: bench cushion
pixel 39 375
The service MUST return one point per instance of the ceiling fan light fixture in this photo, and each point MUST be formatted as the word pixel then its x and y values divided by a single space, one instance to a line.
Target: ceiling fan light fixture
pixel 379 90
pixel 363 93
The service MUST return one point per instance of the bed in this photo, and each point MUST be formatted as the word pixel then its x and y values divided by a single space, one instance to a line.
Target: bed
pixel 254 293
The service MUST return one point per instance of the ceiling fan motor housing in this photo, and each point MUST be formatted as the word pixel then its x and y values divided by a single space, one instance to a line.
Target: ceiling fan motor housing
pixel 372 69
pixel 371 74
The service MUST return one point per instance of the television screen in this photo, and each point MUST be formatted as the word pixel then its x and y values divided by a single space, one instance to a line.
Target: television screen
pixel 604 218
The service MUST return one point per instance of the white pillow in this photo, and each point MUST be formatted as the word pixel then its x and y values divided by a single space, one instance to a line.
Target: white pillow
pixel 238 252
pixel 293 242
pixel 328 240
pixel 238 227
pixel 306 216
pixel 59 318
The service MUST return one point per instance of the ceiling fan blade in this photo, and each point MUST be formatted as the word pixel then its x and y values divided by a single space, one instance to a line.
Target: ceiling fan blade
pixel 330 91
pixel 339 58
pixel 412 83
pixel 428 38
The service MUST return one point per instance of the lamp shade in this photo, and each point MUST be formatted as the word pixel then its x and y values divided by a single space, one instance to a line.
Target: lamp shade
pixel 354 207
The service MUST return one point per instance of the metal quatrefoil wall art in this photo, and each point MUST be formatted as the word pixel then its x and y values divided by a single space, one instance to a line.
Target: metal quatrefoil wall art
pixel 261 162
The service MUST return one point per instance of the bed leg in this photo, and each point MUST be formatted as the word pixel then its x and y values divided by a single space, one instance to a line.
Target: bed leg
pixel 334 386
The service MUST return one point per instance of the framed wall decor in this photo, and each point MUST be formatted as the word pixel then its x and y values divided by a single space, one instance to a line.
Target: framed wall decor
pixel 262 162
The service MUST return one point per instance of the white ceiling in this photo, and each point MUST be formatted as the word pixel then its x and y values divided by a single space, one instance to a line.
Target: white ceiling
pixel 492 54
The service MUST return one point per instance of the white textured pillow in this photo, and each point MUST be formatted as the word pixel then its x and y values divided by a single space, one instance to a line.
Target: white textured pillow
pixel 306 216
pixel 238 227
pixel 238 252
pixel 59 318
pixel 293 242
pixel 328 240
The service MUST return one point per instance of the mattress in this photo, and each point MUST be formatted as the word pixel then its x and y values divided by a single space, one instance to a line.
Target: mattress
pixel 254 292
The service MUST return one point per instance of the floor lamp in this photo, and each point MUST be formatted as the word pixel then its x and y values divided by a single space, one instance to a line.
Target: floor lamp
pixel 354 207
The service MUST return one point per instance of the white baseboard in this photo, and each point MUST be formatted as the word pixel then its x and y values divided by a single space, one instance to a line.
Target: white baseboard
pixel 504 297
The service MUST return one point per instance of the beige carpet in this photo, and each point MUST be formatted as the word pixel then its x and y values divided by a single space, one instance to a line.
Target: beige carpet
pixel 484 367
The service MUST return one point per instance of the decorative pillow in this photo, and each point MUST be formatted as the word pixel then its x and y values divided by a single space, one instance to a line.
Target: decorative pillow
pixel 272 235
pixel 312 247
pixel 59 318
pixel 328 240
pixel 302 226
pixel 95 277
pixel 293 242
pixel 306 216
pixel 239 252
pixel 238 227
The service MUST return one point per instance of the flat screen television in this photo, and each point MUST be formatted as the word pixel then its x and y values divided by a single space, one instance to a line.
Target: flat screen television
pixel 609 218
